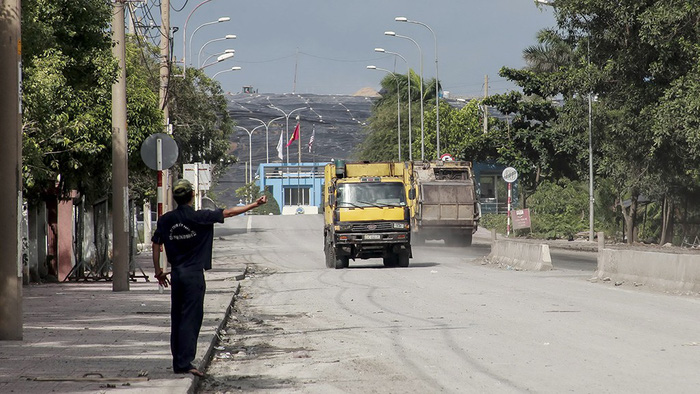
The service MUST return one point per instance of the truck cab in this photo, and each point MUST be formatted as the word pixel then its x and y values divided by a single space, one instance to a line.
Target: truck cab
pixel 368 208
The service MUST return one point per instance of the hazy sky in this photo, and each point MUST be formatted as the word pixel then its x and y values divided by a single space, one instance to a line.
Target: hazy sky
pixel 330 42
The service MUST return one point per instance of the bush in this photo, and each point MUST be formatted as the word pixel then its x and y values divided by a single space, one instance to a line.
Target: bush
pixel 559 209
pixel 492 221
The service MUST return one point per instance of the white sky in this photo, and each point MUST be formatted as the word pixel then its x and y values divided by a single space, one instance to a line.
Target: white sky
pixel 336 40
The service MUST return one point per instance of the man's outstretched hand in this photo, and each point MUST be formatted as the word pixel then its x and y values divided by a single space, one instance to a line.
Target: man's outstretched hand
pixel 260 201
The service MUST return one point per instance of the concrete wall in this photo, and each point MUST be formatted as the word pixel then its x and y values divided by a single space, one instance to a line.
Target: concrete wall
pixel 666 271
pixel 527 256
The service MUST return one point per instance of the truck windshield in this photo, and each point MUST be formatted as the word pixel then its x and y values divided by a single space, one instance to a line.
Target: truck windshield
pixel 371 194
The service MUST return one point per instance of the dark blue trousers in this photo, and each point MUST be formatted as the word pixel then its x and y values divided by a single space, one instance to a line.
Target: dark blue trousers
pixel 187 313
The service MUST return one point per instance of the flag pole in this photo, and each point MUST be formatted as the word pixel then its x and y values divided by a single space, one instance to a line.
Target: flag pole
pixel 299 194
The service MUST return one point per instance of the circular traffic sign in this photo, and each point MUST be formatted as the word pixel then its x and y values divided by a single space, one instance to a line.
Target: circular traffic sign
pixel 149 151
pixel 446 157
pixel 510 174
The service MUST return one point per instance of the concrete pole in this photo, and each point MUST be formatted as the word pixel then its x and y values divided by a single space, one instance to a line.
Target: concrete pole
pixel 486 108
pixel 591 198
pixel 164 59
pixel 10 170
pixel 120 174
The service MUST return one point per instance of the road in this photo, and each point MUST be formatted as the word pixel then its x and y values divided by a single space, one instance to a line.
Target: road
pixel 447 323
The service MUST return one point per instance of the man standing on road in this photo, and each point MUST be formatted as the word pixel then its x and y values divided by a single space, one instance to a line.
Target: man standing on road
pixel 188 236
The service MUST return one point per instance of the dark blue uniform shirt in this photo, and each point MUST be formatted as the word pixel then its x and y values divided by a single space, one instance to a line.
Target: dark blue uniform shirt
pixel 188 236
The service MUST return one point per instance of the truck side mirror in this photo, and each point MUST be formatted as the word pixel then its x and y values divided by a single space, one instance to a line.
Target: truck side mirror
pixel 412 194
pixel 331 200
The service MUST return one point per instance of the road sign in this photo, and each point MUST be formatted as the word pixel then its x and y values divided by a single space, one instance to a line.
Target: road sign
pixel 149 151
pixel 446 157
pixel 520 218
pixel 510 174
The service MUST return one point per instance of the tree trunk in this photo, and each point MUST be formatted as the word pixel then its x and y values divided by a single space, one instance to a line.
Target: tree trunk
pixel 629 215
pixel 667 221
pixel 632 222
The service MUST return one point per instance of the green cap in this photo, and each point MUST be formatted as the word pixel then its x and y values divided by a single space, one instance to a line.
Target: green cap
pixel 182 187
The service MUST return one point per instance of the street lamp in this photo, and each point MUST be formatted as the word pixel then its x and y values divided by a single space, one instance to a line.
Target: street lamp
pixel 437 80
pixel 217 54
pixel 420 53
pixel 221 58
pixel 398 104
pixel 234 68
pixel 267 129
pixel 250 150
pixel 410 102
pixel 287 115
pixel 184 36
pixel 222 19
pixel 226 37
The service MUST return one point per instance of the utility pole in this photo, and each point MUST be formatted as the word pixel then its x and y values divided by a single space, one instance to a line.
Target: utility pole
pixel 120 171
pixel 164 175
pixel 486 108
pixel 296 65
pixel 10 170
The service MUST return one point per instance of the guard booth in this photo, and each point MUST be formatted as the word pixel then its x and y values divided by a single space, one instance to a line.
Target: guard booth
pixel 249 89
pixel 492 189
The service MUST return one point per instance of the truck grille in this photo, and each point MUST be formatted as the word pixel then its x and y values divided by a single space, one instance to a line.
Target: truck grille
pixel 374 226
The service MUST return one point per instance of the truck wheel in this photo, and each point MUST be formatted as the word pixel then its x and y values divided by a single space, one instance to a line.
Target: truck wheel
pixel 468 240
pixel 402 258
pixel 329 258
pixel 340 261
pixel 390 261
pixel 329 251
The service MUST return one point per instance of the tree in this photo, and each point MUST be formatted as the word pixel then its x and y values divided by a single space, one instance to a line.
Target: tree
pixel 202 125
pixel 549 54
pixel 144 117
pixel 381 141
pixel 67 79
pixel 629 53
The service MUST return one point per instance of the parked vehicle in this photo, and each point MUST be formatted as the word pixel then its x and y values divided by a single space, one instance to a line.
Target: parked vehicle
pixel 367 212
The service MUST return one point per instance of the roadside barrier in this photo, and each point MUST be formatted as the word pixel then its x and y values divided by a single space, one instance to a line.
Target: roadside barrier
pixel 521 255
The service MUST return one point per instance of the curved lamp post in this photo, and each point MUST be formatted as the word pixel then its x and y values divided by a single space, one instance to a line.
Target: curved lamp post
pixel 398 103
pixel 420 53
pixel 221 58
pixel 437 80
pixel 267 129
pixel 234 68
pixel 226 37
pixel 408 77
pixel 217 54
pixel 250 150
pixel 184 36
pixel 222 19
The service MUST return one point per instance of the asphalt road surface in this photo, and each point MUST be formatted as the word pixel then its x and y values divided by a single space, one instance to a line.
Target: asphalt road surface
pixel 447 323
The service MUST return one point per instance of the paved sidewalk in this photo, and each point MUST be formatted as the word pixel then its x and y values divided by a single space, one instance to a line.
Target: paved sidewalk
pixel 76 332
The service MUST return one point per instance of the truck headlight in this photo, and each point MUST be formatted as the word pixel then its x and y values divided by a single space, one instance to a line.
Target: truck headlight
pixel 402 226
pixel 343 227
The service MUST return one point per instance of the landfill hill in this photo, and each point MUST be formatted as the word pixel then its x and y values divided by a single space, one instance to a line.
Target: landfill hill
pixel 338 121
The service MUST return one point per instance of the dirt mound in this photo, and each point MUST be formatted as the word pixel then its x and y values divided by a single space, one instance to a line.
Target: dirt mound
pixel 366 92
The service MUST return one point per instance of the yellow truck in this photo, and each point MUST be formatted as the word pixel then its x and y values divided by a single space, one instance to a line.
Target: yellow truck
pixel 367 212
pixel 447 206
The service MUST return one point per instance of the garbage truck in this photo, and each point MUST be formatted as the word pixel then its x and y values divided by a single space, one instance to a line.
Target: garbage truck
pixel 447 206
pixel 367 212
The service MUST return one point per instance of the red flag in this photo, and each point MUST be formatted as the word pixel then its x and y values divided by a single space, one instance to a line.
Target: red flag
pixel 295 136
